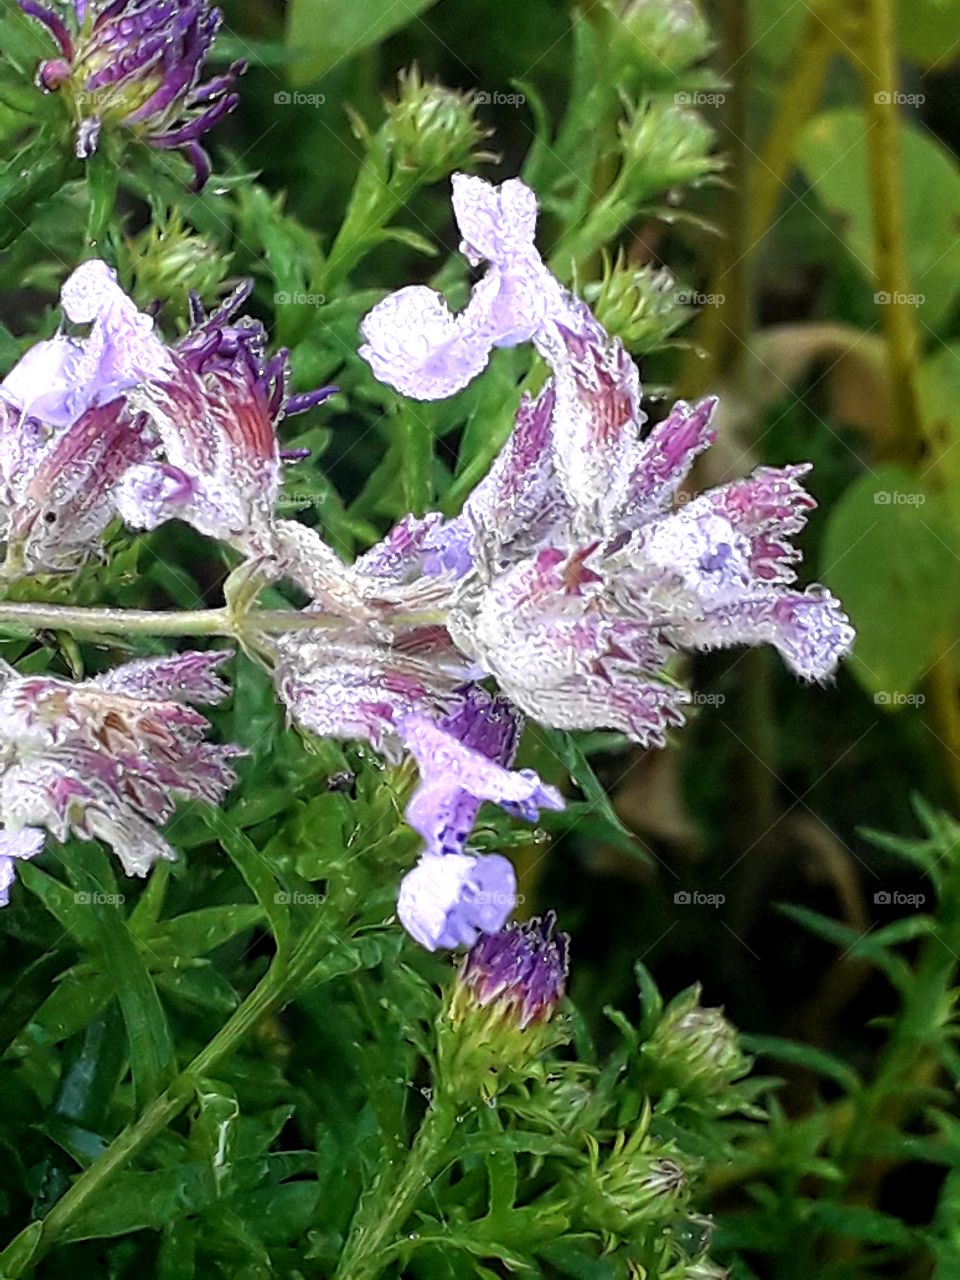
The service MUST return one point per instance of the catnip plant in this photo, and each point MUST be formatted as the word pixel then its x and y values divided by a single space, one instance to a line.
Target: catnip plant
pixel 558 584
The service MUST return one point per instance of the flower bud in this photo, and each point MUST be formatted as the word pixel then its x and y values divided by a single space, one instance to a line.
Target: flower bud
pixel 639 305
pixel 664 146
pixel 430 129
pixel 693 1050
pixel 635 1182
pixel 664 36
pixel 170 262
pixel 498 1020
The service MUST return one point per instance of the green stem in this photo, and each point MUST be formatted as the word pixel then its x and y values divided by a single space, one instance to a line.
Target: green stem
pixel 889 237
pixel 381 1218
pixel 196 622
pixel 274 990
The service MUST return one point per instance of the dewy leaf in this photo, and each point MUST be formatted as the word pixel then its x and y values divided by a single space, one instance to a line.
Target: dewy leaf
pixel 322 33
pixel 833 155
pixel 257 872
pixel 889 554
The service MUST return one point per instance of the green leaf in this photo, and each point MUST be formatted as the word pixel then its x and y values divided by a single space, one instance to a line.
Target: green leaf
pixel 833 153
pixel 78 997
pixel 804 1055
pixel 322 33
pixel 197 932
pixel 859 1223
pixel 889 555
pixel 256 871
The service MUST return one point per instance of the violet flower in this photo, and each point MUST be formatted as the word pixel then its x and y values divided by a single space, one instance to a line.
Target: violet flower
pixel 585 580
pixel 464 759
pixel 16 846
pixel 521 970
pixel 105 758
pixel 139 63
pixel 217 463
pixel 67 433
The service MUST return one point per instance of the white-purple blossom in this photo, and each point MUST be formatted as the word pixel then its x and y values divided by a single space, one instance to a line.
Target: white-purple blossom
pixel 413 340
pixel 59 379
pixel 139 63
pixel 16 846
pixel 217 461
pixel 106 758
pixel 448 900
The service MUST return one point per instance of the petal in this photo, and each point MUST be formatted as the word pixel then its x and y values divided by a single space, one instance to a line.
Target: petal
pixel 665 458
pixel 809 629
pixel 15 846
pixel 448 901
pixel 183 677
pixel 597 418
pixel 496 223
pixel 416 345
pixel 456 775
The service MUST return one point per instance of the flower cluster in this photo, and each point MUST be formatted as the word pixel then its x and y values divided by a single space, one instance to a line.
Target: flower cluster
pixel 105 758
pixel 571 578
pixel 139 63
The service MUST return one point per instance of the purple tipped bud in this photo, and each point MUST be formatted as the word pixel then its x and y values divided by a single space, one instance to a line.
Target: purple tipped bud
pixel 522 970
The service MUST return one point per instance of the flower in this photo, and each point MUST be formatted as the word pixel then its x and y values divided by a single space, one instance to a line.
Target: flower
pixel 414 342
pixel 67 432
pixel 217 464
pixel 522 970
pixel 139 63
pixel 59 379
pixel 104 759
pixel 447 900
pixel 692 1051
pixel 463 759
pixel 16 846
pixel 449 897
pixel 499 1018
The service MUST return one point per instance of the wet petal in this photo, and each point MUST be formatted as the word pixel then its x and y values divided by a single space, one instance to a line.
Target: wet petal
pixel 448 901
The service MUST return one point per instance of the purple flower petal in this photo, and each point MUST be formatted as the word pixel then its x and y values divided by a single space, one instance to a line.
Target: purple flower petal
pixel 462 763
pixel 15 846
pixel 418 346
pixel 448 901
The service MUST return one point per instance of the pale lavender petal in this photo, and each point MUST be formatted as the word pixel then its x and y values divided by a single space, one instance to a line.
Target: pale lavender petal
pixel 415 343
pixel 809 629
pixel 456 774
pixel 597 418
pixel 14 846
pixel 448 901
pixel 182 677
pixel 419 545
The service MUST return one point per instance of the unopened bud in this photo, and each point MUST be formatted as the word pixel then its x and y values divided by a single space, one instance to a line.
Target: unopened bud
pixel 692 1049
